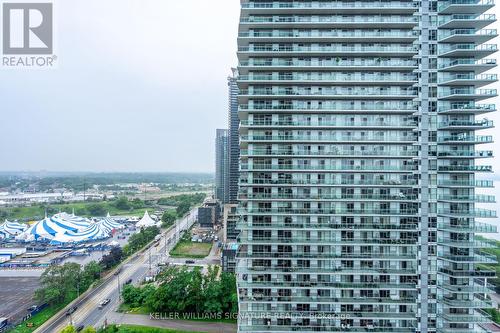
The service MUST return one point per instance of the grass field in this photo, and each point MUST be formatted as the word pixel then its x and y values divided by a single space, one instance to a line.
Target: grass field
pixel 37 320
pixel 38 212
pixel 187 249
pixel 140 329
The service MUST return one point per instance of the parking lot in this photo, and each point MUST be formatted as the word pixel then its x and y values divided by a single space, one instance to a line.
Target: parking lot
pixel 16 294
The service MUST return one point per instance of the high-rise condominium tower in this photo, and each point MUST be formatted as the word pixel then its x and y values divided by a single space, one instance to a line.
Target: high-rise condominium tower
pixel 233 137
pixel 359 158
pixel 221 166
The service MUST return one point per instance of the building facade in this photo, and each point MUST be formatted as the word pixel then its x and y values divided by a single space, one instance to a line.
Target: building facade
pixel 230 220
pixel 359 164
pixel 233 138
pixel 221 165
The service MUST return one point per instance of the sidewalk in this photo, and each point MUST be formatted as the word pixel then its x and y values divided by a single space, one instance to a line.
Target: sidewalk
pixel 183 325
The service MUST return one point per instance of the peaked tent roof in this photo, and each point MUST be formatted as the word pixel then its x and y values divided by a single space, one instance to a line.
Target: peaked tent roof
pixel 146 221
pixel 108 224
pixel 9 229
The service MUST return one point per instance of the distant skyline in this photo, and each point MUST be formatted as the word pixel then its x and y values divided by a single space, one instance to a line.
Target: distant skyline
pixel 140 87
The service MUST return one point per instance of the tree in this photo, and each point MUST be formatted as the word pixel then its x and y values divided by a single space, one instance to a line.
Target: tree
pixel 183 208
pixel 137 203
pixel 112 259
pixel 58 283
pixel 96 209
pixel 168 218
pixel 68 329
pixel 91 273
pixel 89 329
pixel 122 203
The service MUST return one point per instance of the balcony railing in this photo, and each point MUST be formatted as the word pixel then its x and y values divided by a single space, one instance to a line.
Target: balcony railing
pixel 443 6
pixel 482 213
pixel 333 123
pixel 277 62
pixel 329 5
pixel 467 138
pixel 329 77
pixel 328 138
pixel 286 19
pixel 466 154
pixel 471 168
pixel 400 168
pixel 336 48
pixel 374 153
pixel 485 123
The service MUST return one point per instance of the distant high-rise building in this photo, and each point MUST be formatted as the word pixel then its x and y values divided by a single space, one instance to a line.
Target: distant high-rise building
pixel 233 137
pixel 221 166
pixel 359 158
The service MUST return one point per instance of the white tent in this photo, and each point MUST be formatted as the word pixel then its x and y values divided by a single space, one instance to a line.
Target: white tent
pixel 10 229
pixel 146 221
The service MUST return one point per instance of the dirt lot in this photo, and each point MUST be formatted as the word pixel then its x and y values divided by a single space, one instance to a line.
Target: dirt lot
pixel 16 295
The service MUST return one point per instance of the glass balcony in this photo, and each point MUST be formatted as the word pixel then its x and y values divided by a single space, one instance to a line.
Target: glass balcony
pixel 327 138
pixel 465 20
pixel 467 35
pixel 342 20
pixel 455 139
pixel 462 65
pixel 479 317
pixel 466 154
pixel 482 213
pixel 279 34
pixel 477 227
pixel 335 77
pixel 401 107
pixel 479 273
pixel 330 5
pixel 468 79
pixel 328 226
pixel 466 183
pixel 340 49
pixel 479 259
pixel 368 63
pixel 368 123
pixel 395 197
pixel 373 153
pixel 401 168
pixel 464 124
pixel 475 288
pixel 341 92
pixel 465 168
pixel 374 182
pixel 334 211
pixel 292 255
pixel 470 304
pixel 477 244
pixel 467 93
pixel 467 50
pixel 466 108
pixel 465 6
pixel 310 270
pixel 472 198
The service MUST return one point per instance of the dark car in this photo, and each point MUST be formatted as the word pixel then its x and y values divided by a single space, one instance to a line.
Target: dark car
pixel 80 328
pixel 129 281
pixel 190 261
pixel 71 310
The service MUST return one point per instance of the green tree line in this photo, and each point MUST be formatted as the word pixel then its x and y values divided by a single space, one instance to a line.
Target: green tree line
pixel 186 291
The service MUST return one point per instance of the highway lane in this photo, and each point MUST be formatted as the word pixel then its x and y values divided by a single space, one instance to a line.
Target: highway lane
pixel 88 312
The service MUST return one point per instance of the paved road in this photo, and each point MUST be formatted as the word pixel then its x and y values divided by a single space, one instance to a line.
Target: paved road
pixel 182 325
pixel 88 313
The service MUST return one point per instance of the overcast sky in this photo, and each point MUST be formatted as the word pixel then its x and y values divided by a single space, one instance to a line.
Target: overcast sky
pixel 140 86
